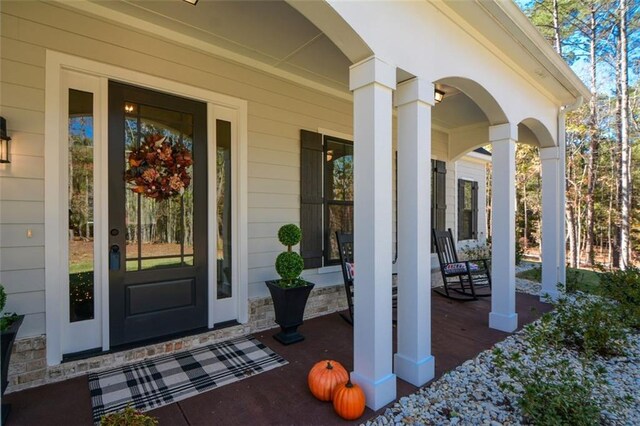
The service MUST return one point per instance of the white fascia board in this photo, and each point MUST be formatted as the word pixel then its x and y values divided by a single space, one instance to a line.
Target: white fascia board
pixel 476 157
pixel 531 39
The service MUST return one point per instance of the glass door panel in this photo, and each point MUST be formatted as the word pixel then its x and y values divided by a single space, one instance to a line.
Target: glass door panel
pixel 223 208
pixel 81 217
pixel 159 223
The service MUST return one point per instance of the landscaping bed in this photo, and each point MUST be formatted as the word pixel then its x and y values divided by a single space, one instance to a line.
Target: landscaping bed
pixel 578 365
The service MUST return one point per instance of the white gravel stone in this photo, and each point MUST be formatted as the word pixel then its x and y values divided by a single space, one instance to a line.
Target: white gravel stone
pixel 471 394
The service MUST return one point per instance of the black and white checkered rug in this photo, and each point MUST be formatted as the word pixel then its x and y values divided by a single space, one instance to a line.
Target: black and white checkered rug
pixel 153 383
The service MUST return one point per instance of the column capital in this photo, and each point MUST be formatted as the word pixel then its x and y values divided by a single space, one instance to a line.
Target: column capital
pixel 504 131
pixel 372 70
pixel 414 90
pixel 550 153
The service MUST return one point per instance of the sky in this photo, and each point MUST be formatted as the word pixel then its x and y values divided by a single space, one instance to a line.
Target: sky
pixel 605 73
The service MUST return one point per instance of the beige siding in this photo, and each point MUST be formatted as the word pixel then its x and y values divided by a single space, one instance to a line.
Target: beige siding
pixel 277 108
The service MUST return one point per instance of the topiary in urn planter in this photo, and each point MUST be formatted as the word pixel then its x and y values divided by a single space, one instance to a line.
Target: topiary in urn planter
pixel 290 292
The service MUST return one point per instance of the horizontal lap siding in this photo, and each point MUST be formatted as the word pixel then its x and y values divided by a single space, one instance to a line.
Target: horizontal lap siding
pixel 22 182
pixel 277 110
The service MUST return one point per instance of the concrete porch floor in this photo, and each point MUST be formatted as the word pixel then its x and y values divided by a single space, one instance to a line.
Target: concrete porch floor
pixel 281 396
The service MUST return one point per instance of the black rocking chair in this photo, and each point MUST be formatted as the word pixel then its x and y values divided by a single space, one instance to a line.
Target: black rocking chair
pixel 463 280
pixel 345 247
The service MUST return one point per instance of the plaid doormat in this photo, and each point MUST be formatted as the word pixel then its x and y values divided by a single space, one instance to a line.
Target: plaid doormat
pixel 153 383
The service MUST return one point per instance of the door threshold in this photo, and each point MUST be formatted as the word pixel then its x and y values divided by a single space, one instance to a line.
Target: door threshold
pixel 96 352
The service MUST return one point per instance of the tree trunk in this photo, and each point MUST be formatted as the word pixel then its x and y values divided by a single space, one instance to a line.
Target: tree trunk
pixel 557 43
pixel 594 142
pixel 625 152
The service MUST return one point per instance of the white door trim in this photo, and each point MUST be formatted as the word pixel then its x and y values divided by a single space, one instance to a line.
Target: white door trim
pixel 55 187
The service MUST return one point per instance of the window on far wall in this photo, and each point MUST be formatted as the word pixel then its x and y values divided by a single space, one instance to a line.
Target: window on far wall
pixel 438 197
pixel 467 210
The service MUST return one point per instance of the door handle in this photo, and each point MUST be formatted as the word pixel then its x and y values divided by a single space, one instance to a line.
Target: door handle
pixel 114 258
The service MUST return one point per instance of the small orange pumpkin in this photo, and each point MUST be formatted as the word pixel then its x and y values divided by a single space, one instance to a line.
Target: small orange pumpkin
pixel 324 376
pixel 348 400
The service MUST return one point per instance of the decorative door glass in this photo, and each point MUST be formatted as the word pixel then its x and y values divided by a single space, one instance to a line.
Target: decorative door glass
pixel 159 200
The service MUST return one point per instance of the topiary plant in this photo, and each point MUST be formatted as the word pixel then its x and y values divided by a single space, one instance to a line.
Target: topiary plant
pixel 289 264
pixel 6 319
pixel 3 298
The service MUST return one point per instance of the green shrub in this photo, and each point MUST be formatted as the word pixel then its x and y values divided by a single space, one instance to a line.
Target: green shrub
pixel 128 417
pixel 551 391
pixel 624 288
pixel 3 298
pixel 6 318
pixel 289 235
pixel 289 265
pixel 588 325
pixel 475 252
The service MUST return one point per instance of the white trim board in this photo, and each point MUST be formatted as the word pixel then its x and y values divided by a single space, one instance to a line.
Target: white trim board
pixel 55 185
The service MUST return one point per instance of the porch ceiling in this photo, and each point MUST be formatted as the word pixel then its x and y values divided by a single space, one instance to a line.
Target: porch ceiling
pixel 271 32
pixel 456 110
pixel 274 33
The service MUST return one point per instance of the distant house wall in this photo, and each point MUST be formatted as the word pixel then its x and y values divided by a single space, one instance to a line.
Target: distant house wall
pixel 473 169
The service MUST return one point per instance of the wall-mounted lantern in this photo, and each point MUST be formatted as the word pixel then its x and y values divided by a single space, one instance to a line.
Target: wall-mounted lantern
pixel 5 142
pixel 438 95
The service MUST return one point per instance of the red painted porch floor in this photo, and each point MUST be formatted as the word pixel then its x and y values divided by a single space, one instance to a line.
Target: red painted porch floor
pixel 280 396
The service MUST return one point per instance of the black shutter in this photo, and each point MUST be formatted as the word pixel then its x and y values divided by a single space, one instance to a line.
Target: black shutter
pixel 440 176
pixel 311 201
pixel 474 215
pixel 461 232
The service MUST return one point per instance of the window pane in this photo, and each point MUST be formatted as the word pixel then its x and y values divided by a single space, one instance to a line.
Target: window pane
pixel 81 268
pixel 468 203
pixel 465 232
pixel 340 219
pixel 159 231
pixel 339 171
pixel 223 185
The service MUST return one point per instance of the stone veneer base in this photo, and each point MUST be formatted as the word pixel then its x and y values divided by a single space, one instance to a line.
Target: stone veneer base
pixel 28 367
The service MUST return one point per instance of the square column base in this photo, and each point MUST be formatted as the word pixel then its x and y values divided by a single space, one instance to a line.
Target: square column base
pixel 416 373
pixel 377 394
pixel 503 322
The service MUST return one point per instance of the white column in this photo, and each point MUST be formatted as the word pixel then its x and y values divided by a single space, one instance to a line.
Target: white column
pixel 503 239
pixel 551 221
pixel 372 82
pixel 413 361
pixel 562 201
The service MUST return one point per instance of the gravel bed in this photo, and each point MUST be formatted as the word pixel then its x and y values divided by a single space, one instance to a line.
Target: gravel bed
pixel 471 394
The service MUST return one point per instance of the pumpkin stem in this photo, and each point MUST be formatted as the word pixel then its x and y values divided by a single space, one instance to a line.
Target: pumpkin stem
pixel 349 384
pixel 329 366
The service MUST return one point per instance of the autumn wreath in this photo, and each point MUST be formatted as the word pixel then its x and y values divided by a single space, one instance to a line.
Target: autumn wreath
pixel 158 169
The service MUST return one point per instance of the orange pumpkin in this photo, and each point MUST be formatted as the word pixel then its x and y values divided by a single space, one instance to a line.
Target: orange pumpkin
pixel 324 376
pixel 348 400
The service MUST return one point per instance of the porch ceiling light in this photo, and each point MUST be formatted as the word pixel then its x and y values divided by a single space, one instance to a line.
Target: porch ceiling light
pixel 438 95
pixel 4 142
pixel 193 2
